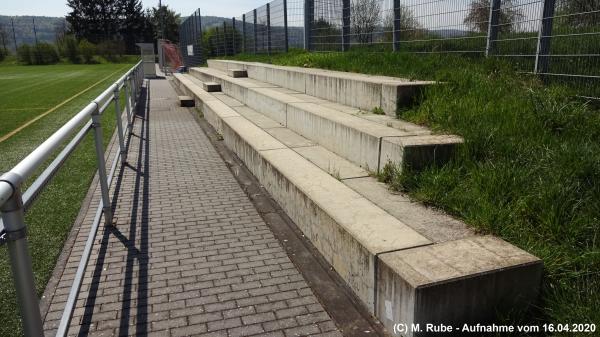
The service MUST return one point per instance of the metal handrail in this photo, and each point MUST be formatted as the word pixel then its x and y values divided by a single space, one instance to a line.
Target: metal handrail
pixel 13 203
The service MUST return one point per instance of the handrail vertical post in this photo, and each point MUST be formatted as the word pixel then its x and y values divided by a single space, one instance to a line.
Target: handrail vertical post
pixel 118 113
pixel 13 217
pixel 131 81
pixel 128 103
pixel 98 138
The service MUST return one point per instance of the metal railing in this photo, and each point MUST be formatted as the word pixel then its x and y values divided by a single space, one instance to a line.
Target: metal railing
pixel 14 202
pixel 556 39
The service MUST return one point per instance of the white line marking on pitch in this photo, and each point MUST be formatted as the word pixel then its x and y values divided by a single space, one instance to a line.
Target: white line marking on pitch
pixel 20 128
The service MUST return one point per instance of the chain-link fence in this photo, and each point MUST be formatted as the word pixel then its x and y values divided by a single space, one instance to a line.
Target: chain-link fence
pixel 190 40
pixel 556 39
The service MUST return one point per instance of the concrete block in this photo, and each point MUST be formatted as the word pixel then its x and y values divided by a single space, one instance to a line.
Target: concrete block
pixel 237 73
pixel 211 87
pixel 403 94
pixel 186 101
pixel 456 282
pixel 418 152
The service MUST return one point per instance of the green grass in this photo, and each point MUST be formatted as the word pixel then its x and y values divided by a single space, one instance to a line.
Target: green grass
pixel 529 171
pixel 30 91
pixel 51 217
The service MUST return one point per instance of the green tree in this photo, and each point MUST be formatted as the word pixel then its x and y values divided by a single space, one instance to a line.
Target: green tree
pixel 111 50
pixel 94 20
pixel 479 16
pixel 24 54
pixel 587 13
pixel 365 16
pixel 45 53
pixel 88 50
pixel 3 40
pixel 107 20
pixel 132 23
pixel 69 48
pixel 166 23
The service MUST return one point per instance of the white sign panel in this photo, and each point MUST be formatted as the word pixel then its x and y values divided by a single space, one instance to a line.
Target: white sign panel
pixel 190 50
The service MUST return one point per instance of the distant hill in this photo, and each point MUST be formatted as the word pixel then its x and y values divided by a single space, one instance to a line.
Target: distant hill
pixel 45 27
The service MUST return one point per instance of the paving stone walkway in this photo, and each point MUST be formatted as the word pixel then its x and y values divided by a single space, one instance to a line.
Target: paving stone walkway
pixel 190 255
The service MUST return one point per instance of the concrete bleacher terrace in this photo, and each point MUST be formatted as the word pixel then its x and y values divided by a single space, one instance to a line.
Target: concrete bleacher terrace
pixel 367 142
pixel 314 154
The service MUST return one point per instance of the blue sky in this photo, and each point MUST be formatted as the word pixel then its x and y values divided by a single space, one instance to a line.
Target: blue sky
pixel 227 8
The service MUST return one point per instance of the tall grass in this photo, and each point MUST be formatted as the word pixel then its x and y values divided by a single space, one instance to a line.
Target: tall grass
pixel 529 171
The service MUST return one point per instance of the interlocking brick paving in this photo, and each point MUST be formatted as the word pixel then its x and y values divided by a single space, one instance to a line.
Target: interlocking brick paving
pixel 189 255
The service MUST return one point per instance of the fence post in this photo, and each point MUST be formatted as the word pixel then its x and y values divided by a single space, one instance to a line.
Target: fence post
pixel 542 59
pixel 309 13
pixel 195 36
pixel 397 27
pixel 119 120
pixel 493 27
pixel 285 27
pixel 13 217
pixel 181 41
pixel 201 51
pixel 243 33
pixel 233 44
pixel 98 139
pixel 269 28
pixel 346 25
pixel 225 44
pixel 255 32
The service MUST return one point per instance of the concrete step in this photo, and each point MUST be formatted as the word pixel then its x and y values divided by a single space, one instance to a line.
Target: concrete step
pixel 407 263
pixel 356 90
pixel 212 87
pixel 367 143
